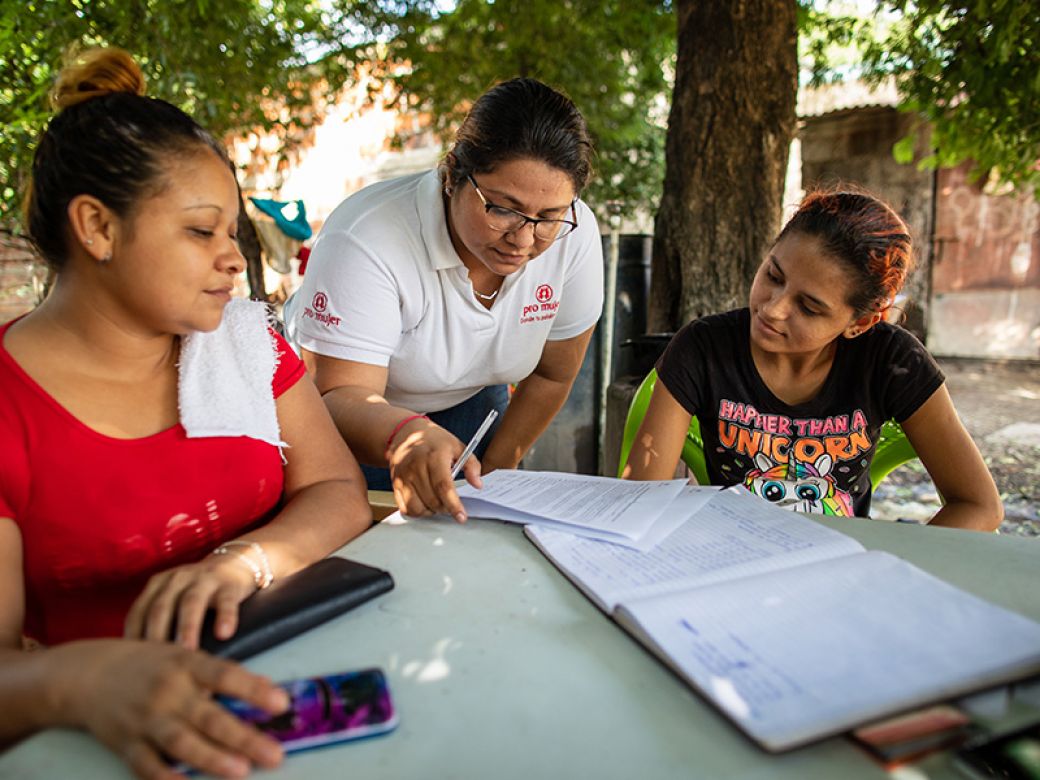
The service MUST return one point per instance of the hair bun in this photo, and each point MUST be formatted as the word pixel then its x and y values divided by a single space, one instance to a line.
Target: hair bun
pixel 94 73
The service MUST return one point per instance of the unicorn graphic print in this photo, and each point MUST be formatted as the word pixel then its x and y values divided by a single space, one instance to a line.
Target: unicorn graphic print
pixel 801 487
pixel 806 464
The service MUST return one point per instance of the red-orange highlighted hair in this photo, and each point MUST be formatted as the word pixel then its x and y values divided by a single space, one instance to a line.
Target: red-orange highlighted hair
pixel 864 233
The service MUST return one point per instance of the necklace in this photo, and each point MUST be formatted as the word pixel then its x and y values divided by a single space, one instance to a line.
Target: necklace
pixel 483 297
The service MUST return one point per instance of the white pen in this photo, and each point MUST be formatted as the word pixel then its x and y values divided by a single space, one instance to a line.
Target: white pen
pixel 483 429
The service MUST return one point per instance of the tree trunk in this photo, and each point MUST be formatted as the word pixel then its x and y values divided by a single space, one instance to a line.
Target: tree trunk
pixel 249 246
pixel 729 131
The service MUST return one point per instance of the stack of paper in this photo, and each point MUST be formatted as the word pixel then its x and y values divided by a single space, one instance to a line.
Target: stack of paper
pixel 633 514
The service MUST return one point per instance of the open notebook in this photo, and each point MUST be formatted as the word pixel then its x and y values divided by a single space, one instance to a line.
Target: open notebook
pixel 794 630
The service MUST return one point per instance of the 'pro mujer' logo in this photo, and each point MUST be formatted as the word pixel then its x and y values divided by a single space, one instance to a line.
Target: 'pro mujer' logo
pixel 544 308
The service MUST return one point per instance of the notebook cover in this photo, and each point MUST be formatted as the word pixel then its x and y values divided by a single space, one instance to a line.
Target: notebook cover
pixel 296 604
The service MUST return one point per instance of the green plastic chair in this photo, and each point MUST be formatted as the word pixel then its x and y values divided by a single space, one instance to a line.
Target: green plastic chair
pixel 892 451
pixel 693 446
pixel 893 448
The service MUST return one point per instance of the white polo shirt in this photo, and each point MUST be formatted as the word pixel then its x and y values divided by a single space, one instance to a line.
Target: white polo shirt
pixel 385 286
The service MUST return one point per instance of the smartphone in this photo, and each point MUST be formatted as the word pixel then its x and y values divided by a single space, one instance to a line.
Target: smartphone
pixel 1015 756
pixel 326 710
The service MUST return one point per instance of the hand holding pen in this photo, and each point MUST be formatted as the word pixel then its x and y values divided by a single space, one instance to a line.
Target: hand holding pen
pixel 468 451
pixel 424 468
pixel 473 443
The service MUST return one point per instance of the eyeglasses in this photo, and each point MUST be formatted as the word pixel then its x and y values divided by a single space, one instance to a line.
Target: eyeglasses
pixel 508 220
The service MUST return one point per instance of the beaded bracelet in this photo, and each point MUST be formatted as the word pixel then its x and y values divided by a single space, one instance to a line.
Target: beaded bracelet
pixel 263 576
pixel 397 429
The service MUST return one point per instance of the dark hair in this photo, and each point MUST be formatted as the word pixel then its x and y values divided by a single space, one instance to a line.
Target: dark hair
pixel 107 140
pixel 521 119
pixel 864 233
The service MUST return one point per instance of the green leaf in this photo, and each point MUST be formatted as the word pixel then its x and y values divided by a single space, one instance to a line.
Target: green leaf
pixel 903 150
pixel 229 64
pixel 971 69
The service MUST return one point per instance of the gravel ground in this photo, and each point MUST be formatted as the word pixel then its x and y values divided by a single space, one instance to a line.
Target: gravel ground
pixel 999 403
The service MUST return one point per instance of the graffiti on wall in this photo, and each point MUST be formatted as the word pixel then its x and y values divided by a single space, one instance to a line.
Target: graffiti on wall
pixel 984 240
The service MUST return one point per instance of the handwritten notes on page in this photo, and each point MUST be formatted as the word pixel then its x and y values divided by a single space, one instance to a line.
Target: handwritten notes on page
pixel 599 507
pixel 800 653
pixel 791 628
pixel 732 534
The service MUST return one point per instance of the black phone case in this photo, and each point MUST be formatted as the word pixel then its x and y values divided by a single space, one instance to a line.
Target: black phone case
pixel 296 604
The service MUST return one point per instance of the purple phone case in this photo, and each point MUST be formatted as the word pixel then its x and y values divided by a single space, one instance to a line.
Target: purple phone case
pixel 326 710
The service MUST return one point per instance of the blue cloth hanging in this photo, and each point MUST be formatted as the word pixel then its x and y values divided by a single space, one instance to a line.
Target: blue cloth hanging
pixel 297 227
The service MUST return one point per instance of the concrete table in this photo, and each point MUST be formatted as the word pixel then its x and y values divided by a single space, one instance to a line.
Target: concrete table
pixel 501 669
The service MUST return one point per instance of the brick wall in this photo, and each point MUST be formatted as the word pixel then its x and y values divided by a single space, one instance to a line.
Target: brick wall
pixel 22 275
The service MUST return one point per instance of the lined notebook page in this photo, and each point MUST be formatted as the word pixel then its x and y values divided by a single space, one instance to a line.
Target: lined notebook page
pixel 735 534
pixel 802 653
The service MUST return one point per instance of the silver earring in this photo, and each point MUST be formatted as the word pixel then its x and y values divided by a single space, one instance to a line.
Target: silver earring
pixel 106 259
pixel 89 242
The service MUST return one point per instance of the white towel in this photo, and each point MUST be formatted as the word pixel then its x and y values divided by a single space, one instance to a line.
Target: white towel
pixel 224 377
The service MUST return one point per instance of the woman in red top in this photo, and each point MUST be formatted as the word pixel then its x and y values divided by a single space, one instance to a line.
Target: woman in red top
pixel 112 520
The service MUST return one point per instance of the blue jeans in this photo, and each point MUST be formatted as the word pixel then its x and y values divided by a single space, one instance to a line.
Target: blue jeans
pixel 462 420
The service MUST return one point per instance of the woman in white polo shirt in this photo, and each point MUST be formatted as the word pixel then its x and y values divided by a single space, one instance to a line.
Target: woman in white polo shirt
pixel 425 296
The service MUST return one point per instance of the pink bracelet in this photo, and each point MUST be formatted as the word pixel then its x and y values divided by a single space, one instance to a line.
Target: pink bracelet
pixel 397 429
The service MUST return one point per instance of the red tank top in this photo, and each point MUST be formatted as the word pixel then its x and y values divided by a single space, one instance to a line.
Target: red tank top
pixel 99 516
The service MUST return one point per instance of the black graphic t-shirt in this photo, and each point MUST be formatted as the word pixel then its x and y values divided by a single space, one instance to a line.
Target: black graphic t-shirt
pixel 811 457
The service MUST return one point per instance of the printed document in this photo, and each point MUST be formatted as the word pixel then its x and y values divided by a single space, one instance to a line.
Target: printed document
pixel 599 507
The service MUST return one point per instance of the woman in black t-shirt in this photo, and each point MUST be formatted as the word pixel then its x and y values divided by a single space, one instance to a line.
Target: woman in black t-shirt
pixel 791 392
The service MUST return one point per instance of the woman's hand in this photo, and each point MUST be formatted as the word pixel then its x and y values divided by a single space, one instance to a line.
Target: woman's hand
pixel 419 453
pixel 148 700
pixel 185 593
pixel 420 458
